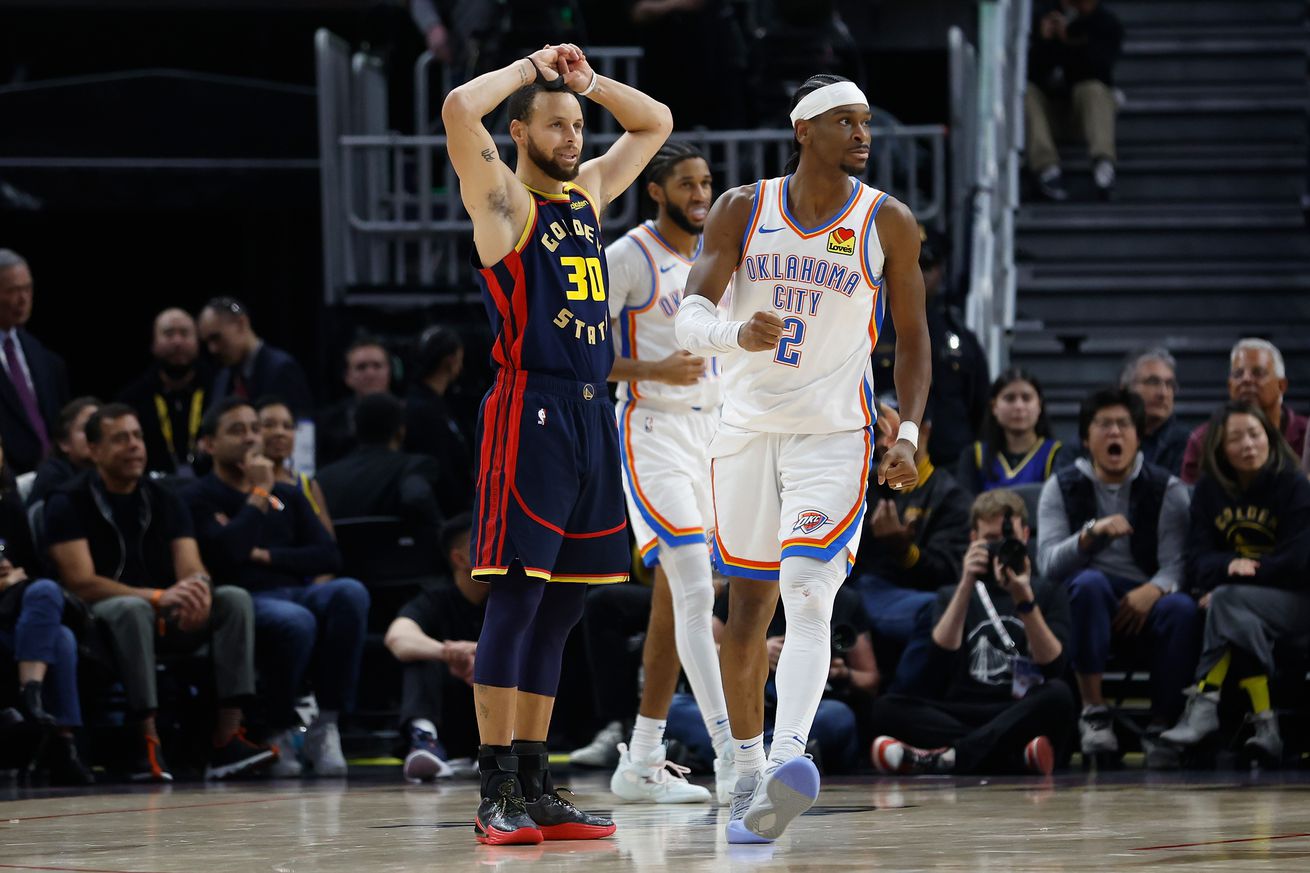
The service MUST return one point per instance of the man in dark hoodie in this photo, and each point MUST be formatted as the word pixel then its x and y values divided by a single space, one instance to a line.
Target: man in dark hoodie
pixel 916 540
pixel 1112 528
pixel 264 536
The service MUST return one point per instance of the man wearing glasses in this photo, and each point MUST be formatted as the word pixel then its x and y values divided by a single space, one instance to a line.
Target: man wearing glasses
pixel 1151 374
pixel 1113 527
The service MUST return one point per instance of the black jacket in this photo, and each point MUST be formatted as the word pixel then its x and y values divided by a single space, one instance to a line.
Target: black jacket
pixel 50 380
pixel 52 474
pixel 939 509
pixel 334 432
pixel 1269 522
pixel 1093 45
pixel 431 429
pixel 374 480
pixel 1166 447
pixel 274 372
pixel 181 407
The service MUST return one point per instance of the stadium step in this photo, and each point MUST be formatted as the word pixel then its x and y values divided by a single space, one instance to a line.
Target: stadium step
pixel 1206 239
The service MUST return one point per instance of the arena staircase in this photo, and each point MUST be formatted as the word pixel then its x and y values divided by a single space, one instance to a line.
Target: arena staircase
pixel 1206 239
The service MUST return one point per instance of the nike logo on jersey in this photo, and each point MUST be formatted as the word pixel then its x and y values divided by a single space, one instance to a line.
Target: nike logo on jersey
pixel 666 269
pixel 771 229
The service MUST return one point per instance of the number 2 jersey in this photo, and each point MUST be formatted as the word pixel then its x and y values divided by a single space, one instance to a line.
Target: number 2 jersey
pixel 546 299
pixel 826 284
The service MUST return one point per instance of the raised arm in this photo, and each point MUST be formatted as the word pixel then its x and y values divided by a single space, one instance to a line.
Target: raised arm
pixel 647 124
pixel 698 327
pixel 495 200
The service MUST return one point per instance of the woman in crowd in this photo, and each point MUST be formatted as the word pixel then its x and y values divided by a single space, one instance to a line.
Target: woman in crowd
pixel 32 633
pixel 1016 446
pixel 1248 550
pixel 278 427
pixel 70 454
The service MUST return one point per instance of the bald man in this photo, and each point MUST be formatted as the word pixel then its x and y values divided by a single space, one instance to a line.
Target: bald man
pixel 171 395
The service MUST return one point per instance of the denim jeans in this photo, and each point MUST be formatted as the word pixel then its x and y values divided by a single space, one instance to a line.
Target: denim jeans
pixel 39 635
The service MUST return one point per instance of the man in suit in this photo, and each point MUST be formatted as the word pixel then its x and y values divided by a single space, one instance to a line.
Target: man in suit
pixel 377 478
pixel 251 367
pixel 34 386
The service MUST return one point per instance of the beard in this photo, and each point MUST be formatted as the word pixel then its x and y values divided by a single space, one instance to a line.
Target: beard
pixel 678 217
pixel 175 370
pixel 550 166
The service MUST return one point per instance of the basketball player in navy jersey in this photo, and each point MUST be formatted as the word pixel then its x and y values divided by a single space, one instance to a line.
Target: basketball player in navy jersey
pixel 549 508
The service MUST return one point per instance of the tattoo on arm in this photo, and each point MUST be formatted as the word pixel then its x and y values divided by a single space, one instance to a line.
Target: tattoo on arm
pixel 488 155
pixel 523 76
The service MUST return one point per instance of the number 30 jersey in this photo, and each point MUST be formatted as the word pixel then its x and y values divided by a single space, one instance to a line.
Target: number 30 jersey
pixel 546 299
pixel 826 284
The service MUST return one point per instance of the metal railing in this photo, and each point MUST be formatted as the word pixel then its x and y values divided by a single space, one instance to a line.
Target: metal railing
pixel 987 91
pixel 393 220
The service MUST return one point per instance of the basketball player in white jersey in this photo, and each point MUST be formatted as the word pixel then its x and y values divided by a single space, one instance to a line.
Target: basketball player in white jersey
pixel 668 408
pixel 815 260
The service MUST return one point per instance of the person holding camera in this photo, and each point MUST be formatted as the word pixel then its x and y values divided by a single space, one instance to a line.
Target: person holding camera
pixel 993 700
pixel 1112 528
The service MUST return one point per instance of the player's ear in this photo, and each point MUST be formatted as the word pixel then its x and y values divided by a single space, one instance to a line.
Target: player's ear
pixel 656 193
pixel 518 131
pixel 803 131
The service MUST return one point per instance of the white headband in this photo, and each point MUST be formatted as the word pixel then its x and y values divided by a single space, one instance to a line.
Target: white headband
pixel 828 97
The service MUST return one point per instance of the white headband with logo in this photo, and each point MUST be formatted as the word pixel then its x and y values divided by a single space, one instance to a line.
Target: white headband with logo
pixel 828 97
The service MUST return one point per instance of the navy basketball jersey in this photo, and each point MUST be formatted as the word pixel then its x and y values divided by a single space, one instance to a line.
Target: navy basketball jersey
pixel 546 299
pixel 1034 468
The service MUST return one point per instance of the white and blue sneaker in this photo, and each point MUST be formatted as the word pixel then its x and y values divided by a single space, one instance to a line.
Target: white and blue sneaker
pixel 654 779
pixel 725 775
pixel 786 792
pixel 743 793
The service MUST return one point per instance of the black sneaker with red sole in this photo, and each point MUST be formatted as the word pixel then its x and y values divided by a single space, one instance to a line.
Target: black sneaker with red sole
pixel 560 820
pixel 237 757
pixel 503 819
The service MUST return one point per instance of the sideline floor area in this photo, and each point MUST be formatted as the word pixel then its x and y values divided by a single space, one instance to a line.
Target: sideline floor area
pixel 1130 820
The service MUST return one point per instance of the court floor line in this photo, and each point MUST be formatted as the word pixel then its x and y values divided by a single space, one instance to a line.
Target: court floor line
pixel 245 800
pixel 61 869
pixel 1222 842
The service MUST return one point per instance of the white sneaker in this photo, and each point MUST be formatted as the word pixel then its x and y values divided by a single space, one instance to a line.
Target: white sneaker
pixel 463 768
pixel 603 751
pixel 1096 731
pixel 288 744
pixel 1200 719
pixel 725 775
pixel 788 790
pixel 323 749
pixel 654 779
pixel 743 793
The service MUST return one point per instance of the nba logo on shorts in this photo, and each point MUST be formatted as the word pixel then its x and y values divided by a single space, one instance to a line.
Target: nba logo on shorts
pixel 810 520
pixel 541 417
pixel 842 241
pixel 650 424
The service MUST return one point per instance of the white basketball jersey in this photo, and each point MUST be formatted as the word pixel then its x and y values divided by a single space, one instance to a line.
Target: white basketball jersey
pixel 647 278
pixel 826 285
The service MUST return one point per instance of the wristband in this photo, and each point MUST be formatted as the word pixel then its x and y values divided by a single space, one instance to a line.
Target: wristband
pixel 259 492
pixel 555 84
pixel 909 432
pixel 155 597
pixel 591 86
pixel 1026 607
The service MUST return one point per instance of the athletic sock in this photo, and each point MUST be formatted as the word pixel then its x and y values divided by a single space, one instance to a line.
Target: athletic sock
pixel 1214 680
pixel 1257 688
pixel 647 735
pixel 749 755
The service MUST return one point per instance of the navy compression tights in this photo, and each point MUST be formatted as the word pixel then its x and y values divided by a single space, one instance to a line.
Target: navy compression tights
pixel 523 634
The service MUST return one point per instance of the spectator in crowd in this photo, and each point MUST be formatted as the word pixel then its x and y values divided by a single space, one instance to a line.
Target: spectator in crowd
pixel 379 479
pixel 435 638
pixel 368 371
pixel 32 633
pixel 853 679
pixel 70 454
pixel 430 428
pixel 1016 446
pixel 251 367
pixel 278 429
pixel 125 545
pixel 669 33
pixel 914 541
pixel 263 535
pixel 1075 44
pixel 35 385
pixel 1152 375
pixel 1256 375
pixel 959 365
pixel 992 699
pixel 171 395
pixel 1248 550
pixel 1112 528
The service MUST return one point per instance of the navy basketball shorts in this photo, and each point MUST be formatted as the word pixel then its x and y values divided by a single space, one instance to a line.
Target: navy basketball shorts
pixel 550 482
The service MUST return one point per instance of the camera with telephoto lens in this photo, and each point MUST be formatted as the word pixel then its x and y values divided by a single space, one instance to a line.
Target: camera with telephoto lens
pixel 1009 550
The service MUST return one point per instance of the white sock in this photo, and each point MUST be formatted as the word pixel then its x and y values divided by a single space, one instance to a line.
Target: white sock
pixel 692 587
pixel 809 588
pixel 647 735
pixel 748 755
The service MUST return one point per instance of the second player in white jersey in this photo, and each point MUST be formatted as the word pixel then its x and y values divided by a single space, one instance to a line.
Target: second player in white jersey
pixel 826 285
